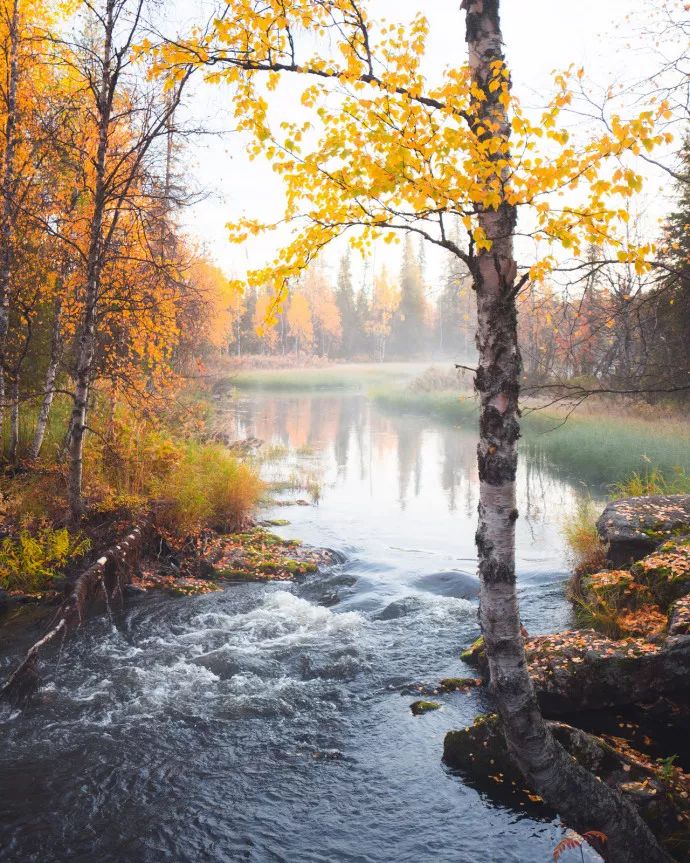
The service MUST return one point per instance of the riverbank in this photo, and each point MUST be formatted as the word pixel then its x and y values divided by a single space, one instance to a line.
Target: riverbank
pixel 327 376
pixel 283 698
pixel 600 444
pixel 620 682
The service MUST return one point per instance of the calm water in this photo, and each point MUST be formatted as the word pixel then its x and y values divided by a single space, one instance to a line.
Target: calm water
pixel 265 723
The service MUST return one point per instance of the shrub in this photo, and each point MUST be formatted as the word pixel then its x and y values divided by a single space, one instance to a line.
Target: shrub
pixel 32 560
pixel 435 380
pixel 208 487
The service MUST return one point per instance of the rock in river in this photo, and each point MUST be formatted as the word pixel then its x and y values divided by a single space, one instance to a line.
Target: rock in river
pixel 454 583
pixel 634 527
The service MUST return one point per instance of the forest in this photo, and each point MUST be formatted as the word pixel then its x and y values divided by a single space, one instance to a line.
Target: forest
pixel 390 273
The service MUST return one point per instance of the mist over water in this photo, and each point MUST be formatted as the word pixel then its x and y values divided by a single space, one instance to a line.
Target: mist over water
pixel 265 722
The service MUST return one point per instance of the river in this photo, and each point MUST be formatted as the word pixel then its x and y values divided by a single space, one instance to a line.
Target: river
pixel 266 722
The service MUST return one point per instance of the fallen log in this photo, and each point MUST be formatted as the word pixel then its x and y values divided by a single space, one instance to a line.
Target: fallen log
pixel 107 577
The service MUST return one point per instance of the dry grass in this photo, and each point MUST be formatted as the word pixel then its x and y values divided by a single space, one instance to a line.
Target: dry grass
pixel 586 552
pixel 207 487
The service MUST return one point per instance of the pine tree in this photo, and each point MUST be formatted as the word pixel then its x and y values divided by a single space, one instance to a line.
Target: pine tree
pixel 409 331
pixel 345 300
pixel 672 309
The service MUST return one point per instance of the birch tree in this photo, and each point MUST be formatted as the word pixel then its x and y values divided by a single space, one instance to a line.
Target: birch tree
pixel 398 154
pixel 127 119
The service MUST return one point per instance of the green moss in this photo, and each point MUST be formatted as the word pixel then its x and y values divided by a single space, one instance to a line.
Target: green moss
pixel 474 652
pixel 420 707
pixel 452 684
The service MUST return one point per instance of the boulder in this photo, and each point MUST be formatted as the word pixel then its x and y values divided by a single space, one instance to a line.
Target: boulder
pixel 419 708
pixel 634 527
pixel 583 670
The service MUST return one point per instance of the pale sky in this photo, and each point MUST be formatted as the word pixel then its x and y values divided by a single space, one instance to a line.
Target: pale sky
pixel 540 36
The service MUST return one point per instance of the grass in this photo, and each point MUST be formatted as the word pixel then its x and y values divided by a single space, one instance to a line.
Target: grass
pixel 134 460
pixel 653 481
pixel 586 550
pixel 598 448
pixel 207 487
pixel 345 377
pixel 55 432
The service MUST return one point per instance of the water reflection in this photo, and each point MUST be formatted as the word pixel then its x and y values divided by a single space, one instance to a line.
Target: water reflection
pixel 404 488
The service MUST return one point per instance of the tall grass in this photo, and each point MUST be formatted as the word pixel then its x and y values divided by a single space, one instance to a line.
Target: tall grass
pixel 598 449
pixel 133 460
pixel 207 487
pixel 653 481
pixel 351 377
pixel 55 432
pixel 587 553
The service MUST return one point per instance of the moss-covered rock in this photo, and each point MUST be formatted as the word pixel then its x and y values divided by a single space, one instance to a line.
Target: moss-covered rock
pixel 420 707
pixel 459 684
pixel 666 573
pixel 259 555
pixel 583 670
pixel 679 617
pixel 475 654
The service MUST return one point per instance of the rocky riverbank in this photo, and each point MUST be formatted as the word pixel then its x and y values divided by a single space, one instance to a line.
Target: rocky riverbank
pixel 631 654
pixel 142 561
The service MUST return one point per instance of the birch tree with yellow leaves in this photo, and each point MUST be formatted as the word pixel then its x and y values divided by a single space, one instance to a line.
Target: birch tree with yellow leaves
pixel 386 151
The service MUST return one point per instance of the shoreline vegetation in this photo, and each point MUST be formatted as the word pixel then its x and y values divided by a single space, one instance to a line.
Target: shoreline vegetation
pixel 176 473
pixel 606 441
pixel 597 443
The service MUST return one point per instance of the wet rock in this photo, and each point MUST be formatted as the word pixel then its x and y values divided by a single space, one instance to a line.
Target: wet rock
pixel 459 684
pixel 659 793
pixel 475 654
pixel 401 608
pixel 419 689
pixel 634 527
pixel 328 755
pixel 455 583
pixel 420 707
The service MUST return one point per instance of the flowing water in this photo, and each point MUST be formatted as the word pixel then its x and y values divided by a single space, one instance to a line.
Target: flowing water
pixel 266 722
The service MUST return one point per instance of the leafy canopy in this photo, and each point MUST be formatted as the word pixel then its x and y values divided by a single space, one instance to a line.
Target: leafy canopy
pixel 386 147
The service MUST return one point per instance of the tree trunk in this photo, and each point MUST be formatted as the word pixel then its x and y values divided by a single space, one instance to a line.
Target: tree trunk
pixel 87 338
pixel 51 376
pixel 8 171
pixel 85 357
pixel 583 801
pixel 14 421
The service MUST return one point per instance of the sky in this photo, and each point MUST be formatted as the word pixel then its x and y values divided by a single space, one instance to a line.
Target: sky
pixel 540 35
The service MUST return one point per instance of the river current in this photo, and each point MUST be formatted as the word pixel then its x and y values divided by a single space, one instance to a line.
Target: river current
pixel 266 722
